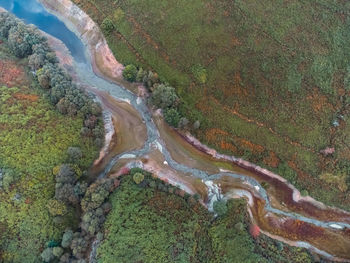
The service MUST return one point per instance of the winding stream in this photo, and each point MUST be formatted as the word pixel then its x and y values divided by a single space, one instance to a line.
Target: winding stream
pixel 307 229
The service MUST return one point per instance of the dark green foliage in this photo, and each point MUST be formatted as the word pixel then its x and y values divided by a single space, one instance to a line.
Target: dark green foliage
pixel 141 74
pixel 172 117
pixel 93 220
pixel 79 245
pixel 130 72
pixel 96 194
pixel 164 97
pixel 107 26
pixel 220 207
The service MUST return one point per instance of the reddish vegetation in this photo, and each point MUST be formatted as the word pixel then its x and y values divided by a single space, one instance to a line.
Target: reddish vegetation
pixel 272 160
pixel 254 230
pixel 30 97
pixel 11 74
pixel 213 135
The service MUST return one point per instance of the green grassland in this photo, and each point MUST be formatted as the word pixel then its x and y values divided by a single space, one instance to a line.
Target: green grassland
pixel 151 225
pixel 34 139
pixel 265 78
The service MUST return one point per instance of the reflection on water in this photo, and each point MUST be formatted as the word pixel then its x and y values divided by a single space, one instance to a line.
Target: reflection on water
pixel 33 12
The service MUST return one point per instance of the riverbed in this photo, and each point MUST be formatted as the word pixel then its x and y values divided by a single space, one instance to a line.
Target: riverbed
pixel 143 138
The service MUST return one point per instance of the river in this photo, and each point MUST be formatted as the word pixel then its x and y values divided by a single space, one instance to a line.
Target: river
pixel 299 221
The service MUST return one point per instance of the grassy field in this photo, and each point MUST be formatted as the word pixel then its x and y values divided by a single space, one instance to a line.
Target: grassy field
pixel 151 225
pixel 34 139
pixel 267 79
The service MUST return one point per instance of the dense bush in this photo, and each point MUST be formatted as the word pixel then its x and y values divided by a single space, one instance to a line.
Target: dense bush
pixel 172 117
pixel 107 26
pixel 65 183
pixel 220 207
pixel 164 97
pixel 130 73
pixel 96 194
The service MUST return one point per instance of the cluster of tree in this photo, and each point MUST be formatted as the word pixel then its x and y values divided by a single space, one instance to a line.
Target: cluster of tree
pixel 145 179
pixel 67 189
pixel 74 245
pixel 163 96
pixel 94 205
pixel 27 41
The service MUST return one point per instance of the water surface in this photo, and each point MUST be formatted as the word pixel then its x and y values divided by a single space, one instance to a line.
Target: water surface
pixel 32 12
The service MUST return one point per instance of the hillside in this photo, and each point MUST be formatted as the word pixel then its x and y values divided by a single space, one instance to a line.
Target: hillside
pixel 269 81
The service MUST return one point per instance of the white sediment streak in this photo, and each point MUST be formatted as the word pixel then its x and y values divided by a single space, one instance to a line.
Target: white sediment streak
pixel 127 156
pixel 109 132
pixel 213 194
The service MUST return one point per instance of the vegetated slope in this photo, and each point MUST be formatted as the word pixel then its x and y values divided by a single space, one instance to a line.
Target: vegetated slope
pixel 269 80
pixel 153 222
pixel 34 138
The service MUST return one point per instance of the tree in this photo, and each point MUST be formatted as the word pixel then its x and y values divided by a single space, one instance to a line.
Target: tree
pixel 66 174
pixel 96 194
pixel 74 154
pixel 67 238
pixel 172 117
pixel 47 255
pixel 138 178
pixel 57 252
pixel 78 245
pixel 220 207
pixel 164 97
pixel 36 61
pixel 130 72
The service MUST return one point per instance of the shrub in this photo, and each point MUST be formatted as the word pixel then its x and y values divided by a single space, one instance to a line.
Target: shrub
pixel 130 73
pixel 200 73
pixel 220 207
pixel 96 194
pixel 172 117
pixel 138 178
pixel 196 125
pixel 107 26
pixel 57 251
pixel 56 208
